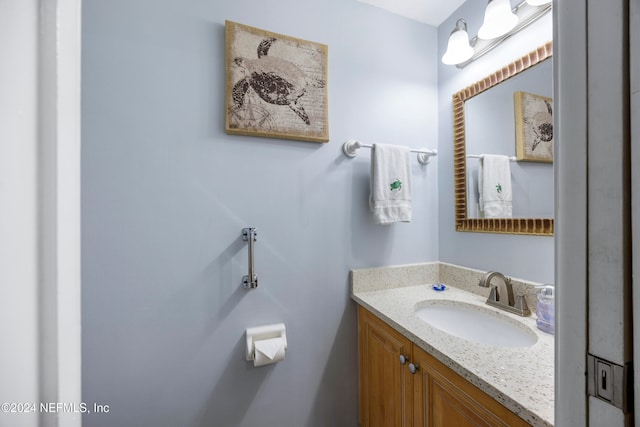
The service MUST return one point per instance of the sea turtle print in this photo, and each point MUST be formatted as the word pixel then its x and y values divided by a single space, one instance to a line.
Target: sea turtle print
pixel 275 80
pixel 543 126
pixel 395 185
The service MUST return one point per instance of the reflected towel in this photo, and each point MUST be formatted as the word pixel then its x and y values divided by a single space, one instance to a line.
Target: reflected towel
pixel 494 186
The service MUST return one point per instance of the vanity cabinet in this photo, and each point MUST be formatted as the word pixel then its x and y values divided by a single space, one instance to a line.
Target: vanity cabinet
pixel 434 395
pixel 385 384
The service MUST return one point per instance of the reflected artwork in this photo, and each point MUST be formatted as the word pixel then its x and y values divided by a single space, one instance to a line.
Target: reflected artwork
pixel 534 127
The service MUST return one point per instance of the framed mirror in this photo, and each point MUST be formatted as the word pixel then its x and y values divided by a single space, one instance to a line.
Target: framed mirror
pixel 538 223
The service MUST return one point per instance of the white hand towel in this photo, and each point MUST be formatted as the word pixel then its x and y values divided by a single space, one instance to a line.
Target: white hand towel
pixel 390 197
pixel 494 186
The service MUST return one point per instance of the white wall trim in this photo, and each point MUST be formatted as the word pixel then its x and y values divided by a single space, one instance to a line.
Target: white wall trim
pixel 59 208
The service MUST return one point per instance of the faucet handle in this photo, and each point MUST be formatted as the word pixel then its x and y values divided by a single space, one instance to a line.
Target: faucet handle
pixel 521 305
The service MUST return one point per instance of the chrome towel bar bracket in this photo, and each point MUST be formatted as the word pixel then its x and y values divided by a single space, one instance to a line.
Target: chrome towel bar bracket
pixel 250 235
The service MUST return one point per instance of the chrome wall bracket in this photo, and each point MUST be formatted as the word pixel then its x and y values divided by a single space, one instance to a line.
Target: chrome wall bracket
pixel 250 235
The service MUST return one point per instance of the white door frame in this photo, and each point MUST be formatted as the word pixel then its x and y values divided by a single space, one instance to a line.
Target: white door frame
pixel 609 226
pixel 59 141
pixel 570 159
pixel 592 206
pixel 40 219
pixel 634 76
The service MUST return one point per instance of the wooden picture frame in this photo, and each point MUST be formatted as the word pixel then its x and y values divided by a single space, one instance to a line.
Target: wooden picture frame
pixel 276 85
pixel 534 127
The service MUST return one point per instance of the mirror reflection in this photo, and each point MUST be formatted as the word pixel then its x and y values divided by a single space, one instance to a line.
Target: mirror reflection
pixel 490 128
pixel 487 121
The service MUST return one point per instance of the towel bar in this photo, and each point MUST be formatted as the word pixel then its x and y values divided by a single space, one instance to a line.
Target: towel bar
pixel 479 156
pixel 351 147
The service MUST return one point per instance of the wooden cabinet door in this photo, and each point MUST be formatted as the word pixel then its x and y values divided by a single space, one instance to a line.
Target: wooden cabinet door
pixel 385 384
pixel 442 398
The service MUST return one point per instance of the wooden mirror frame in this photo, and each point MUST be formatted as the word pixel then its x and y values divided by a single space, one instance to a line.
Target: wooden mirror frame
pixel 532 226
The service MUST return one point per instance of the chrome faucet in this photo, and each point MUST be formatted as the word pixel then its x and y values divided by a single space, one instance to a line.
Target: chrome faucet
pixel 516 305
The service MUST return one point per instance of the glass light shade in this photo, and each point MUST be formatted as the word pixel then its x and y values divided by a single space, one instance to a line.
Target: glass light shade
pixel 538 2
pixel 458 48
pixel 498 20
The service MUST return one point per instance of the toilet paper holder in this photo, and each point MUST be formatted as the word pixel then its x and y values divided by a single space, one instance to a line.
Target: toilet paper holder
pixel 259 333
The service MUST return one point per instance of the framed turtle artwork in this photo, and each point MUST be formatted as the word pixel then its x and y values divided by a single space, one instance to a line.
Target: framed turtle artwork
pixel 276 85
pixel 534 127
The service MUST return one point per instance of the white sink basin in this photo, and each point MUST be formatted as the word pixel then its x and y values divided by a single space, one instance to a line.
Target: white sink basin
pixel 475 323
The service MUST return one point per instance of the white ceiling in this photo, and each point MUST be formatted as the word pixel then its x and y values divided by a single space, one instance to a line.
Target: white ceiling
pixel 432 12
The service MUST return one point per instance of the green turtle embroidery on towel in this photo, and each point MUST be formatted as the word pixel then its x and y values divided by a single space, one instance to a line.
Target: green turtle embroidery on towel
pixel 396 185
pixel 499 188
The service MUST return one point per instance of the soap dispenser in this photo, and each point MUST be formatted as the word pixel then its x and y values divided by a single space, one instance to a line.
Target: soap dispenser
pixel 545 309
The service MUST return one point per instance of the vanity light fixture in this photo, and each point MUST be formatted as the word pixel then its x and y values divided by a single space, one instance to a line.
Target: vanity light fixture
pixel 458 49
pixel 500 23
pixel 499 19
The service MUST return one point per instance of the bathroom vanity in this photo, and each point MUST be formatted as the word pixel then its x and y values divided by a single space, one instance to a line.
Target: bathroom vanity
pixel 422 391
pixel 415 374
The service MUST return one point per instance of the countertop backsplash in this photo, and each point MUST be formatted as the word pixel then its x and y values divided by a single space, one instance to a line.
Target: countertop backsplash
pixel 397 276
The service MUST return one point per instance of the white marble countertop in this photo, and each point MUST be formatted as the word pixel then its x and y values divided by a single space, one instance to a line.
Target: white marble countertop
pixel 522 379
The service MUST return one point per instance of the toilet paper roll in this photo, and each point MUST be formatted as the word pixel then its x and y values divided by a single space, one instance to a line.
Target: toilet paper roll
pixel 269 351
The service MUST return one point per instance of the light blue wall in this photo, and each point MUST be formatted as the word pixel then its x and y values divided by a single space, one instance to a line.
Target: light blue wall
pixel 526 257
pixel 165 194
